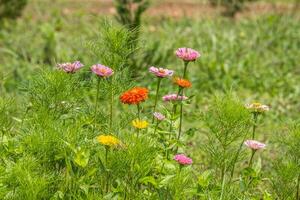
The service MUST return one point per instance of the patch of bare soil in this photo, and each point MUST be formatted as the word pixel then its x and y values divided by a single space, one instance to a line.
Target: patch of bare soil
pixel 178 9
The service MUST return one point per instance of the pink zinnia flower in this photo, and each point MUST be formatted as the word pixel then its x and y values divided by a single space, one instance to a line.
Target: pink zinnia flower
pixel 159 116
pixel 183 160
pixel 70 67
pixel 254 145
pixel 102 71
pixel 187 54
pixel 161 72
pixel 174 97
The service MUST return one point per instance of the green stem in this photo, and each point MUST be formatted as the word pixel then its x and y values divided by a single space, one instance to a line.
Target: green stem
pixel 298 188
pixel 139 118
pixel 223 183
pixel 236 157
pixel 255 116
pixel 106 155
pixel 107 173
pixel 251 158
pixel 156 126
pixel 156 97
pixel 181 115
pixel 185 68
pixel 138 111
pixel 111 107
pixel 96 103
pixel 172 119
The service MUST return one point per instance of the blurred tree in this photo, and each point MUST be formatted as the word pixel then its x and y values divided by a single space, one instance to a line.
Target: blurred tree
pixel 231 6
pixel 11 9
pixel 129 14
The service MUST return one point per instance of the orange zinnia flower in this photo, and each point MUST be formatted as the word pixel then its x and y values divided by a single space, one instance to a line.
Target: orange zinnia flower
pixel 134 95
pixel 183 82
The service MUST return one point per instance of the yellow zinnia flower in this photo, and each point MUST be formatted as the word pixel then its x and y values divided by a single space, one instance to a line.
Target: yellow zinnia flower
pixel 140 124
pixel 108 140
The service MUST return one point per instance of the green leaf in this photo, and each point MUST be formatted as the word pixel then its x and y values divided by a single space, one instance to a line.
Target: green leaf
pixel 147 180
pixel 166 180
pixel 82 157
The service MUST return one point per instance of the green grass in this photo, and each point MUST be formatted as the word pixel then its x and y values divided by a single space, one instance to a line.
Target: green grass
pixel 48 139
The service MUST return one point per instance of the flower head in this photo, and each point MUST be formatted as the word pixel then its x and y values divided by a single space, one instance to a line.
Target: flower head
pixel 159 116
pixel 135 95
pixel 139 124
pixel 187 54
pixel 70 67
pixel 254 145
pixel 108 140
pixel 161 72
pixel 182 82
pixel 174 97
pixel 102 71
pixel 257 107
pixel 183 160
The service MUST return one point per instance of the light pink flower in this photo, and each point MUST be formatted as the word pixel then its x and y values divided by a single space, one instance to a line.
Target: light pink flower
pixel 161 72
pixel 187 54
pixel 159 116
pixel 174 97
pixel 102 71
pixel 70 67
pixel 255 145
pixel 183 160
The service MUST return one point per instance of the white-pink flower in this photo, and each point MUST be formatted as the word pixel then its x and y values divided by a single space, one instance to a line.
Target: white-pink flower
pixel 70 67
pixel 159 116
pixel 102 71
pixel 174 97
pixel 187 54
pixel 161 72
pixel 257 107
pixel 183 160
pixel 254 145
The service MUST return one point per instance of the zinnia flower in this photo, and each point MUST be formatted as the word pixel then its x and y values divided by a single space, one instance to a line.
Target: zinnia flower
pixel 161 72
pixel 174 97
pixel 102 71
pixel 257 107
pixel 139 124
pixel 182 82
pixel 183 160
pixel 187 54
pixel 159 116
pixel 70 67
pixel 254 145
pixel 108 140
pixel 135 95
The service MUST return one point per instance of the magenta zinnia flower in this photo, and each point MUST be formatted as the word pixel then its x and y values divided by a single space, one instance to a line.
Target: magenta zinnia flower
pixel 102 71
pixel 174 97
pixel 254 145
pixel 161 72
pixel 183 160
pixel 70 67
pixel 159 116
pixel 187 54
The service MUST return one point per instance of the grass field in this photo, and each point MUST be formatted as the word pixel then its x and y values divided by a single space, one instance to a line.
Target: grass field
pixel 50 120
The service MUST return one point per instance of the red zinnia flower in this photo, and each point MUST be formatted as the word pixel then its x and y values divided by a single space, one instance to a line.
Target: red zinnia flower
pixel 134 95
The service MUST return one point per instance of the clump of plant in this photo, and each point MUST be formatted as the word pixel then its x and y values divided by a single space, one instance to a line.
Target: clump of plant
pixel 287 166
pixel 231 6
pixel 228 124
pixel 11 9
